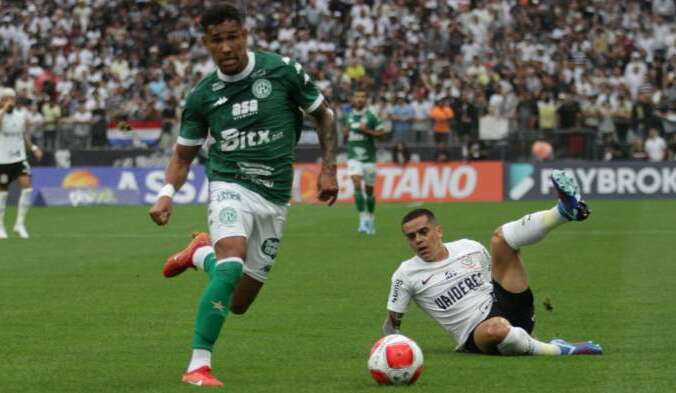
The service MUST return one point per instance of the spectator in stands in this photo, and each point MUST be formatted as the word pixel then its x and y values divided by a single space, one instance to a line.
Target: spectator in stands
pixel 82 121
pixel 52 114
pixel 129 57
pixel 547 116
pixel 467 118
pixel 643 115
pixel 441 115
pixel 401 116
pixel 526 111
pixel 421 121
pixel 622 113
pixel 655 146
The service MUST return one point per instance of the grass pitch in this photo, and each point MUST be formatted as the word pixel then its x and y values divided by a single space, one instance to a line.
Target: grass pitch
pixel 84 307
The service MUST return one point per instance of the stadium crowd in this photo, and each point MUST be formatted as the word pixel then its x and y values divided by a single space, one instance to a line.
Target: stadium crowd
pixel 439 71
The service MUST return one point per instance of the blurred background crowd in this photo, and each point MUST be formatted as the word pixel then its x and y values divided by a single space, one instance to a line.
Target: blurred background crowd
pixel 547 78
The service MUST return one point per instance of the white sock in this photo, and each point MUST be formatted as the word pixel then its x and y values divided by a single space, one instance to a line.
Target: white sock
pixel 3 205
pixel 23 205
pixel 200 256
pixel 519 342
pixel 531 228
pixel 200 358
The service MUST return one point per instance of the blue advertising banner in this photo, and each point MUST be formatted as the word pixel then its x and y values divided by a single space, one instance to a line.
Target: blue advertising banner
pixel 57 196
pixel 144 181
pixel 597 180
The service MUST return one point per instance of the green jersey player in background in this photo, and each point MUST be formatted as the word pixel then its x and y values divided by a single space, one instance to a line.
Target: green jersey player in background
pixel 361 127
pixel 252 106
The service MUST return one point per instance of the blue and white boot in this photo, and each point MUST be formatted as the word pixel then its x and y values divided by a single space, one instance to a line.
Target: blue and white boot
pixel 581 348
pixel 371 224
pixel 571 205
pixel 363 223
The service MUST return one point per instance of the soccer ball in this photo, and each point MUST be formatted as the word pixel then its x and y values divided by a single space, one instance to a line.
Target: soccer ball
pixel 395 360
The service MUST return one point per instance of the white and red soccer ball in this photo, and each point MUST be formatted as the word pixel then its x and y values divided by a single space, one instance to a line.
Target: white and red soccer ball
pixel 395 360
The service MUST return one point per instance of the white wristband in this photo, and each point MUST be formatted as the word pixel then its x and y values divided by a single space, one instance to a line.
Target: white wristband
pixel 167 190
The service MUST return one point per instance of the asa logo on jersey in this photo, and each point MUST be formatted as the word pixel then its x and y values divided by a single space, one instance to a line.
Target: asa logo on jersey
pixel 244 109
pixel 234 139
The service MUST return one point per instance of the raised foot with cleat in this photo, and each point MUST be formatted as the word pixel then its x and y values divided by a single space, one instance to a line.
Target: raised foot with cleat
pixel 178 263
pixel 571 204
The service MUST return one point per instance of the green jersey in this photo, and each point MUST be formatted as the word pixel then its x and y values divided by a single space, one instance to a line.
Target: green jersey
pixel 360 146
pixel 255 120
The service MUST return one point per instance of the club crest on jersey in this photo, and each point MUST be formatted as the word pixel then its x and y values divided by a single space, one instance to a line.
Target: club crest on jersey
pixel 227 216
pixel 261 88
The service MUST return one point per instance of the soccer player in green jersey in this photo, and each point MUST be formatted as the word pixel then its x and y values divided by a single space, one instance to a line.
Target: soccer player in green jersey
pixel 361 127
pixel 252 106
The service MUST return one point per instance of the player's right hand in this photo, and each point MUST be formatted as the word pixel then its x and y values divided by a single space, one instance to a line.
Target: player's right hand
pixel 161 210
pixel 327 184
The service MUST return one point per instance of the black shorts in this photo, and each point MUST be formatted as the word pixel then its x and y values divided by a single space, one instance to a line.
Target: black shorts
pixel 517 308
pixel 9 172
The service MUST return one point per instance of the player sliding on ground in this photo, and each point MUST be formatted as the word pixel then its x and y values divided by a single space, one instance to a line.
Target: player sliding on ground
pixel 251 105
pixel 483 300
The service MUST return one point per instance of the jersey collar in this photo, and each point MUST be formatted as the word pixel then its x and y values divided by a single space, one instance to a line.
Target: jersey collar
pixel 243 74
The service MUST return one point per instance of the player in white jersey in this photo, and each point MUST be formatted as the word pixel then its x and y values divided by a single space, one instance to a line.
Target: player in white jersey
pixel 14 138
pixel 483 300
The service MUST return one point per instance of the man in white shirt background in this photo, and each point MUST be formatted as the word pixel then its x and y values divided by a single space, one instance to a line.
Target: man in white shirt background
pixel 14 141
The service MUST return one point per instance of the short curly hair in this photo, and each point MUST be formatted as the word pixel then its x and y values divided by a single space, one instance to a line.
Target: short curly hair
pixel 219 13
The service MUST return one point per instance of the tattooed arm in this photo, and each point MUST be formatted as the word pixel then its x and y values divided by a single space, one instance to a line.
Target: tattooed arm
pixel 327 184
pixel 392 323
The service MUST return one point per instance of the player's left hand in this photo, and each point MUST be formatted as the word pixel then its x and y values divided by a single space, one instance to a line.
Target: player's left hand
pixel 327 184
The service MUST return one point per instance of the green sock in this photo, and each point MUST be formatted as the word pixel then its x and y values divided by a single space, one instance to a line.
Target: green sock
pixel 370 203
pixel 359 200
pixel 215 301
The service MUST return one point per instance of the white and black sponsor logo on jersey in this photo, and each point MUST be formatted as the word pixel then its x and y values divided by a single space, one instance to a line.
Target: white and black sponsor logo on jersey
pixel 458 291
pixel 396 287
pixel 234 139
pixel 244 109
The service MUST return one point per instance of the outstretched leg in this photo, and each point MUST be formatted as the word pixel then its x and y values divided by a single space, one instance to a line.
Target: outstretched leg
pixel 508 269
pixel 514 298
pixel 497 336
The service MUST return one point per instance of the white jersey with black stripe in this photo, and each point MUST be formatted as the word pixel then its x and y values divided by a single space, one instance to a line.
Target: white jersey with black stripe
pixel 12 145
pixel 455 292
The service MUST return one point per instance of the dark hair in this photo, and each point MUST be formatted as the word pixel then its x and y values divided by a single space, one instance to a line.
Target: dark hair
pixel 219 13
pixel 413 214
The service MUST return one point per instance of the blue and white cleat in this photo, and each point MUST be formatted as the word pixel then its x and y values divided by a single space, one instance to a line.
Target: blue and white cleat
pixel 371 224
pixel 363 224
pixel 571 205
pixel 581 348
